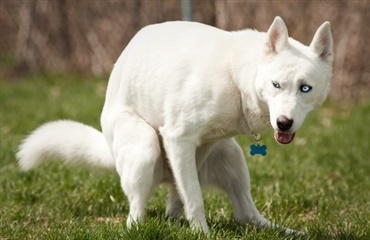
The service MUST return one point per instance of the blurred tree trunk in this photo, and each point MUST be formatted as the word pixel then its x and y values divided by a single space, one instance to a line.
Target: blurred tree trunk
pixel 88 36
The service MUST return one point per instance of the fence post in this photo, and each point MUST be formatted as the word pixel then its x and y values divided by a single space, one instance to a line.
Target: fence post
pixel 187 10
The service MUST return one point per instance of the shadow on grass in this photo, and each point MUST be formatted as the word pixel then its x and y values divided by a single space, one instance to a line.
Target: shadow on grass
pixel 219 229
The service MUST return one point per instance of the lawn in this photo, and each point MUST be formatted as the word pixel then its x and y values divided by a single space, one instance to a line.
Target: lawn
pixel 319 184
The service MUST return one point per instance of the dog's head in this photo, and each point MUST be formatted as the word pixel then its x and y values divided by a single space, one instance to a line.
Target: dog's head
pixel 293 78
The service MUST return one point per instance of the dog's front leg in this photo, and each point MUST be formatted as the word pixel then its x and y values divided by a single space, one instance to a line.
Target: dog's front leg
pixel 181 152
pixel 174 204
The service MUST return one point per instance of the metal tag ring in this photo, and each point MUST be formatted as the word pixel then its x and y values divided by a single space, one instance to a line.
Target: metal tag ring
pixel 257 137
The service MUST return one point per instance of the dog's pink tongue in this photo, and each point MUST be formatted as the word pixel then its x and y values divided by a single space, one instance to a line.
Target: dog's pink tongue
pixel 284 138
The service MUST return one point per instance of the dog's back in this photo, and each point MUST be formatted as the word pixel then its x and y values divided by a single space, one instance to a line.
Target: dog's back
pixel 184 66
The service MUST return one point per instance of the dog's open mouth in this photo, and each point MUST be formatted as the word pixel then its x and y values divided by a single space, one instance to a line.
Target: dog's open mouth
pixel 284 137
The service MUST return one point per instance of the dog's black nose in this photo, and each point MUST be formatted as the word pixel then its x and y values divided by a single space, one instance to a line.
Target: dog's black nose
pixel 284 123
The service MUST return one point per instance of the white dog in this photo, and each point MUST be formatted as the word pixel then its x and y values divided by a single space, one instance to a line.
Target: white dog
pixel 177 95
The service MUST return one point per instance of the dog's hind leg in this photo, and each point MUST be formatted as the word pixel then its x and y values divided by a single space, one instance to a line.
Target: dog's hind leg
pixel 136 149
pixel 174 204
pixel 226 168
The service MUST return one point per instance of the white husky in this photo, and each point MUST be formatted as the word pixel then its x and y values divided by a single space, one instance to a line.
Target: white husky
pixel 177 95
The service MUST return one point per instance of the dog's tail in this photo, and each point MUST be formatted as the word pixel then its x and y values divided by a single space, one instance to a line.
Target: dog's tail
pixel 66 140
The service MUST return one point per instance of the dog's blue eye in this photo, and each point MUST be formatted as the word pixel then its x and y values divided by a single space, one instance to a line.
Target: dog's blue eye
pixel 305 88
pixel 276 84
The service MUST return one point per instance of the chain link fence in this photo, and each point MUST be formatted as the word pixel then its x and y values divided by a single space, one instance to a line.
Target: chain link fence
pixel 87 36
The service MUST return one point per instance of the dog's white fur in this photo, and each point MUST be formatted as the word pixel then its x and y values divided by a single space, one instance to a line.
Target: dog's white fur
pixel 177 95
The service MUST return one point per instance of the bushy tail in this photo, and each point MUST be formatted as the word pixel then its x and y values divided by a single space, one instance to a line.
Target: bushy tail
pixel 65 140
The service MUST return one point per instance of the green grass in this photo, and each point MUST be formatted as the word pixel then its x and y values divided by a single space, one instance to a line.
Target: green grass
pixel 319 184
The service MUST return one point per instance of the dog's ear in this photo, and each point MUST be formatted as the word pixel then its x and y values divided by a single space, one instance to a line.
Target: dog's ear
pixel 322 42
pixel 277 36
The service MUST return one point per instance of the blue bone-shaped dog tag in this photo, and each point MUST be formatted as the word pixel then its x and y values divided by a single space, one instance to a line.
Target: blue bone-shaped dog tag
pixel 258 149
